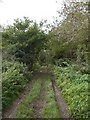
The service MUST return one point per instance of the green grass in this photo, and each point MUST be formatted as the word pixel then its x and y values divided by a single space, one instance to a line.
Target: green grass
pixel 50 109
pixel 25 110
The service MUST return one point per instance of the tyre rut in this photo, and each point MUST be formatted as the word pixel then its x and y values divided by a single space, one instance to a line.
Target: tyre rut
pixel 39 103
pixel 60 101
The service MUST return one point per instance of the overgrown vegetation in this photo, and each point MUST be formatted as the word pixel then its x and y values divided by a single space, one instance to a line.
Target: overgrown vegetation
pixel 15 76
pixel 74 87
pixel 69 47
pixel 66 47
pixel 69 40
pixel 21 46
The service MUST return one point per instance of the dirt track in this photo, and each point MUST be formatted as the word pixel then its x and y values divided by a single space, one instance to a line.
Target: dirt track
pixel 60 101
pixel 39 103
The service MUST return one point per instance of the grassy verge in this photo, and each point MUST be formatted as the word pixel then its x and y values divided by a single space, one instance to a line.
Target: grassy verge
pixel 25 110
pixel 50 109
pixel 74 87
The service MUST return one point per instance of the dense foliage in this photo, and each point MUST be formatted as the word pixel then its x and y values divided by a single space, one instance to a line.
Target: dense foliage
pixel 69 39
pixel 15 76
pixel 23 41
pixel 74 87
pixel 68 46
pixel 26 47
pixel 21 46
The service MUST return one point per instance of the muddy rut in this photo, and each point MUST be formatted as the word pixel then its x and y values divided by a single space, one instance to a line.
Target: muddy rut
pixel 63 108
pixel 39 103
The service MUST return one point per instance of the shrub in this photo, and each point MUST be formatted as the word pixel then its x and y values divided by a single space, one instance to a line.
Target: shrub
pixel 14 78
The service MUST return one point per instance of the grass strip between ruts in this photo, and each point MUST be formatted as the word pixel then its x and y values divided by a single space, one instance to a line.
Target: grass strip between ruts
pixel 25 110
pixel 50 109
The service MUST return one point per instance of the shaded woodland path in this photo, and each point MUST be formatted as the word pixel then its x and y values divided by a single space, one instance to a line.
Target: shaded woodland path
pixel 39 104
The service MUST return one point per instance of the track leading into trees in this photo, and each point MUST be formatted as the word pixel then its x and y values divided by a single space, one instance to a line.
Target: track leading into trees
pixel 40 106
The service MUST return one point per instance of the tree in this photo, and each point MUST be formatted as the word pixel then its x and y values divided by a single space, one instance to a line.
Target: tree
pixel 70 37
pixel 24 40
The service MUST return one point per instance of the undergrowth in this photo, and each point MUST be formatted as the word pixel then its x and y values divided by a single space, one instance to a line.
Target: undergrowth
pixel 15 76
pixel 74 87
